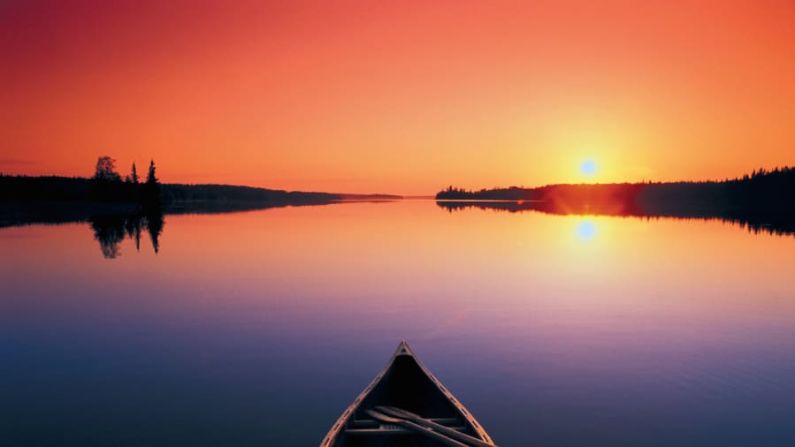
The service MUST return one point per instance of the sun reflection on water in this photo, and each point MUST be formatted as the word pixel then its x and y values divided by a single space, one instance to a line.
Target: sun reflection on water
pixel 586 230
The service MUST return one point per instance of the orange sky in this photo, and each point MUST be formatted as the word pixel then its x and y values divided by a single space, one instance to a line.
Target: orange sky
pixel 403 97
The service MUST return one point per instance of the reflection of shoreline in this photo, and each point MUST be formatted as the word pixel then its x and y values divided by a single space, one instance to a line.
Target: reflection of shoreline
pixel 32 213
pixel 772 222
pixel 39 212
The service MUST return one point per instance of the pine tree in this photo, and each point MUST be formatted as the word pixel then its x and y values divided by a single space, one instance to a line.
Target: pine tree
pixel 151 178
pixel 152 187
pixel 134 174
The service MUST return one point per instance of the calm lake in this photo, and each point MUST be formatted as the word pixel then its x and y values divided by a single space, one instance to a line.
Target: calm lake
pixel 258 328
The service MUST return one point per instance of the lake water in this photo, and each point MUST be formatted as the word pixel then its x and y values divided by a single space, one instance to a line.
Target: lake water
pixel 258 328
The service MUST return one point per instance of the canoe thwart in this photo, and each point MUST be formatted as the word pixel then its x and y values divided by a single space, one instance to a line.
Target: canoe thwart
pixel 416 428
pixel 428 423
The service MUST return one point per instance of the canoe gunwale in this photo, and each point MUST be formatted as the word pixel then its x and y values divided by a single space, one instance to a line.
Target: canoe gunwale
pixel 403 349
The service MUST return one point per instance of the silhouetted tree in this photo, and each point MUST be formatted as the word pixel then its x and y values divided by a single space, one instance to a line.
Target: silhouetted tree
pixel 151 177
pixel 152 187
pixel 134 174
pixel 106 169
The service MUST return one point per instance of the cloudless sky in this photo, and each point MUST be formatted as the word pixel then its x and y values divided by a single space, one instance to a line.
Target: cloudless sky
pixel 404 97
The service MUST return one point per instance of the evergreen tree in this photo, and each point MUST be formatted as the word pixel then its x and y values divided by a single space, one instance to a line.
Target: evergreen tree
pixel 134 174
pixel 151 178
pixel 152 187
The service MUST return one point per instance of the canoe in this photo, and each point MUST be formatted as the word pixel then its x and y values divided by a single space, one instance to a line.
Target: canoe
pixel 402 404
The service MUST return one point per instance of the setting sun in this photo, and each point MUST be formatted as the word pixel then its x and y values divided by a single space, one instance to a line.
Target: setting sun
pixel 588 168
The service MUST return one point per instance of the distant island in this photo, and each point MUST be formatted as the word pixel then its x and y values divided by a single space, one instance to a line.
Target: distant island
pixel 764 199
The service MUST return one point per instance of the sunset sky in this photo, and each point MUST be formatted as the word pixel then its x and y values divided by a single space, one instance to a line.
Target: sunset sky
pixel 402 97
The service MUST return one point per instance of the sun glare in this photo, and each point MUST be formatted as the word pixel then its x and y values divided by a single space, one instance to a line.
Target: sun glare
pixel 588 168
pixel 586 230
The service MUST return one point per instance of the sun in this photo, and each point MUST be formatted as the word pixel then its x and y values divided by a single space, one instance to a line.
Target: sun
pixel 588 168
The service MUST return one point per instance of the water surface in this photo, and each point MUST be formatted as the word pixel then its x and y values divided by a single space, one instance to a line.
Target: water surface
pixel 258 328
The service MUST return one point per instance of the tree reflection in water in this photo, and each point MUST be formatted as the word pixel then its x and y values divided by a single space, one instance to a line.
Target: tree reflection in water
pixel 110 231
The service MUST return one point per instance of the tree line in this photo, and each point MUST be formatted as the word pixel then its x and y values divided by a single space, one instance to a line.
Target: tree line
pixel 110 186
pixel 762 188
pixel 762 200
pixel 106 171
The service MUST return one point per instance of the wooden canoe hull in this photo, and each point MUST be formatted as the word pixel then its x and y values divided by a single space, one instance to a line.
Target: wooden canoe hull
pixel 404 383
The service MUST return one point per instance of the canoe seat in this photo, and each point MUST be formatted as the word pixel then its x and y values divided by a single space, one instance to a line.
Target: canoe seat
pixel 386 431
pixel 371 423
